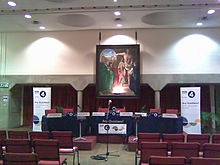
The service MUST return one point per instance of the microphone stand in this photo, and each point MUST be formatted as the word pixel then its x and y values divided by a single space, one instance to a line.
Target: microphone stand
pixel 107 127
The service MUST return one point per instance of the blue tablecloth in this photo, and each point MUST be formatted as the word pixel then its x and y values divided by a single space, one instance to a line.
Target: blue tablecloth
pixel 160 125
pixel 148 124
pixel 65 123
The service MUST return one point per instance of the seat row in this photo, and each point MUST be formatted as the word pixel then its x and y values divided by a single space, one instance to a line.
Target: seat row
pixel 16 139
pixel 156 137
pixel 163 160
pixel 47 151
pixel 184 149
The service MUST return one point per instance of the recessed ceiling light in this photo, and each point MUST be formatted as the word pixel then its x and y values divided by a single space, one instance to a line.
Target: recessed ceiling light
pixel 211 11
pixel 11 3
pixel 199 24
pixel 119 25
pixel 28 16
pixel 115 0
pixel 117 13
pixel 42 27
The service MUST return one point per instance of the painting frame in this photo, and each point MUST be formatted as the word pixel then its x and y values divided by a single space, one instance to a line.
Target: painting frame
pixel 118 71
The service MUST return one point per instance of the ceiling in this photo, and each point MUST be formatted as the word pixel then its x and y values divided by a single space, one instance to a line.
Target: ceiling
pixel 58 15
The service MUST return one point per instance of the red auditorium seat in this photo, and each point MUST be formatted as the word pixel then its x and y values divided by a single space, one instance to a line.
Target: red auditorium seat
pixel 200 138
pixel 1 153
pixel 3 136
pixel 204 161
pixel 20 159
pixel 48 111
pixel 152 149
pixel 145 137
pixel 188 150
pixel 173 138
pixel 18 146
pixel 216 138
pixel 48 152
pixel 17 134
pixel 120 109
pixel 211 150
pixel 155 110
pixel 172 111
pixel 66 110
pixel 39 135
pixel 164 160
pixel 103 110
pixel 65 139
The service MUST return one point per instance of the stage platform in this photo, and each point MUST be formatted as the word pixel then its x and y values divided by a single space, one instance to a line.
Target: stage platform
pixel 87 144
pixel 132 145
pixel 113 139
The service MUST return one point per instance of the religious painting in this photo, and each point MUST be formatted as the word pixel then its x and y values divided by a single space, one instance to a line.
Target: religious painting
pixel 117 70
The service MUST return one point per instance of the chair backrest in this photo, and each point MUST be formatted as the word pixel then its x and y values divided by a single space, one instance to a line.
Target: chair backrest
pixel 1 151
pixel 190 149
pixel 173 138
pixel 17 134
pixel 164 160
pixel 211 150
pixel 48 111
pixel 47 149
pixel 20 158
pixel 103 110
pixel 18 146
pixel 120 109
pixel 204 161
pixel 39 135
pixel 172 111
pixel 3 134
pixel 153 149
pixel 155 110
pixel 200 138
pixel 148 137
pixel 66 110
pixel 216 138
pixel 65 138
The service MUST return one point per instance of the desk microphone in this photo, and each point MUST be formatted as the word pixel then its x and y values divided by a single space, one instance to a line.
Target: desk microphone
pixel 109 102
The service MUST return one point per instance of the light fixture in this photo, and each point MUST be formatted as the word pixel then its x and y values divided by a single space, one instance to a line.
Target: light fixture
pixel 11 3
pixel 211 11
pixel 199 24
pixel 42 27
pixel 118 22
pixel 115 0
pixel 117 13
pixel 28 16
pixel 119 25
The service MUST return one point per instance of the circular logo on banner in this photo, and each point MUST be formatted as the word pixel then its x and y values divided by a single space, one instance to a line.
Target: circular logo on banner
pixel 36 119
pixel 115 128
pixel 106 127
pixel 43 94
pixel 191 94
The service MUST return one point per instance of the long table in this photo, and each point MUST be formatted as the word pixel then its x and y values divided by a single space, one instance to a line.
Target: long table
pixel 147 124
pixel 65 123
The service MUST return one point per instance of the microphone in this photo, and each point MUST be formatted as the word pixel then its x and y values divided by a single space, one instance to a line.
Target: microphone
pixel 109 105
pixel 109 102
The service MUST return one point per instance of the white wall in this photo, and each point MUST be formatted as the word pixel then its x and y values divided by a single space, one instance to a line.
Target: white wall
pixel 163 51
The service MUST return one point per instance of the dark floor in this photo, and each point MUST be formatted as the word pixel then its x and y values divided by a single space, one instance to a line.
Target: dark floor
pixel 125 157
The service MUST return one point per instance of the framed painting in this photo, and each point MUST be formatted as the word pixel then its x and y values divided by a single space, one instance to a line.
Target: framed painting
pixel 117 71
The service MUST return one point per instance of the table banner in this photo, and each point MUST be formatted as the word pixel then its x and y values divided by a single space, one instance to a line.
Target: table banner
pixel 120 129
